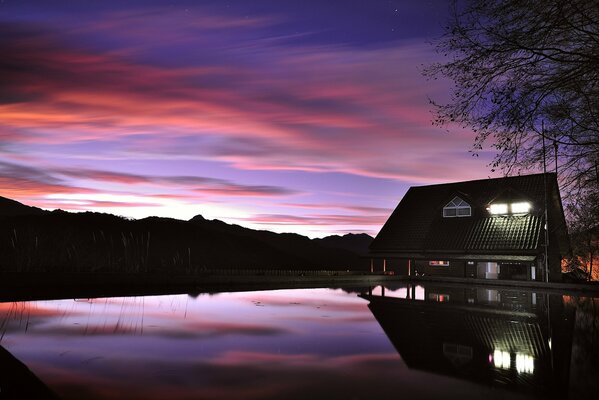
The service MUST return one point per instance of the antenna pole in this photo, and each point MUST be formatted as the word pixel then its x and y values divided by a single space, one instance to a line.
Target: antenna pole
pixel 545 197
pixel 555 150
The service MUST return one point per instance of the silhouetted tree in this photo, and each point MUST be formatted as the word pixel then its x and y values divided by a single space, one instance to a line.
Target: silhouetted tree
pixel 584 226
pixel 523 70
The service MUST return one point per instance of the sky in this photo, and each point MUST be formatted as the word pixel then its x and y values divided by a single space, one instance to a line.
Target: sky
pixel 293 116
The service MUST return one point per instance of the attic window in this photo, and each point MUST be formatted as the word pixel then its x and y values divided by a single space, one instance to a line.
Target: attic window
pixel 457 208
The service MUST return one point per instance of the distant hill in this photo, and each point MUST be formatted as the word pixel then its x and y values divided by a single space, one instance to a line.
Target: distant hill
pixel 11 208
pixel 38 241
pixel 356 243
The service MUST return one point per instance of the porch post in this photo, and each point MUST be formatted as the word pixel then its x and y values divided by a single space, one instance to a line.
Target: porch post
pixel 371 265
pixel 384 265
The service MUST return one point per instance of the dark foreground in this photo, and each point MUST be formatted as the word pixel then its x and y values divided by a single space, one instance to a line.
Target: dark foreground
pixel 417 340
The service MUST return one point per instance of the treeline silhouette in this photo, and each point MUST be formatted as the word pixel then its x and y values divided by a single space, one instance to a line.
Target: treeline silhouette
pixel 34 240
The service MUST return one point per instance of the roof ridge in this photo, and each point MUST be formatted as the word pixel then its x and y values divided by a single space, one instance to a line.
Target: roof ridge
pixel 483 180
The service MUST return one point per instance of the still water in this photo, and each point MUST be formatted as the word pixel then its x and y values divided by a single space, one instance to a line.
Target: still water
pixel 414 342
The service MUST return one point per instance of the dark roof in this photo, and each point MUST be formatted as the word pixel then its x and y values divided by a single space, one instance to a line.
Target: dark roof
pixel 417 224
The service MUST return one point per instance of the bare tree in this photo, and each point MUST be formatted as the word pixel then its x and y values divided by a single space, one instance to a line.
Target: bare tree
pixel 584 226
pixel 524 72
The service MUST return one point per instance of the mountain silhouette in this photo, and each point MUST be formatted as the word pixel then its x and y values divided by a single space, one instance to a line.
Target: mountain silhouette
pixel 36 240
pixel 10 207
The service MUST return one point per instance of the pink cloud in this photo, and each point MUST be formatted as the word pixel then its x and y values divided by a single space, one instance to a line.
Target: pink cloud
pixel 317 219
pixel 312 122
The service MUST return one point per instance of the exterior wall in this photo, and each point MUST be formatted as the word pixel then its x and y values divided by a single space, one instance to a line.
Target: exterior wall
pixel 504 270
pixel 454 269
pixel 515 271
pixel 477 269
pixel 396 266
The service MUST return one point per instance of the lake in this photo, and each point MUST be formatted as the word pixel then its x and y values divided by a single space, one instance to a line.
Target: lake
pixel 403 341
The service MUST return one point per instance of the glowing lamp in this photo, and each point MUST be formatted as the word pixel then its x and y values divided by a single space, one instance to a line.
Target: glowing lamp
pixel 525 364
pixel 521 208
pixel 498 209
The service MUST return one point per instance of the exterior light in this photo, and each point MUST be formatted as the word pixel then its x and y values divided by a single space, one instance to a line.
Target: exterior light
pixel 521 208
pixel 525 364
pixel 501 359
pixel 498 209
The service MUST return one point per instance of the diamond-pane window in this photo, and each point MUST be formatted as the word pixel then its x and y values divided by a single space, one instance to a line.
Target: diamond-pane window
pixel 457 208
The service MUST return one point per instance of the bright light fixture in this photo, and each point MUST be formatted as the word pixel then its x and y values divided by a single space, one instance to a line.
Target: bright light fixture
pixel 525 364
pixel 498 209
pixel 501 359
pixel 521 208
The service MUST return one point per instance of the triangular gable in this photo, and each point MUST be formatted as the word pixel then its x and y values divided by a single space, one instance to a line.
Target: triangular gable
pixel 457 207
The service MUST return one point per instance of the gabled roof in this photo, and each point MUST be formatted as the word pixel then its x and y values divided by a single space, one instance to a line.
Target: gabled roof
pixel 417 225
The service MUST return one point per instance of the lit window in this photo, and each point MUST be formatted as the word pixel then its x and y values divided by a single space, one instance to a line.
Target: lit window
pixel 441 298
pixel 498 209
pixel 521 208
pixel 501 359
pixel 525 364
pixel 438 263
pixel 457 208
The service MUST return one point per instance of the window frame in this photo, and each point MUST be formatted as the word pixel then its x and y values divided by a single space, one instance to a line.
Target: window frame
pixel 454 207
pixel 438 263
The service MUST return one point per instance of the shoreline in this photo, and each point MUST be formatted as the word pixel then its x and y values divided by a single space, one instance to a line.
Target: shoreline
pixel 51 286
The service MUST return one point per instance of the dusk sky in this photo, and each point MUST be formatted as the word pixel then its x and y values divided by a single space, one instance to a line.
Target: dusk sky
pixel 294 116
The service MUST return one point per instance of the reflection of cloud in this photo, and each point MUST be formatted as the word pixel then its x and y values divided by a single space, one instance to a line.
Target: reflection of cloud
pixel 246 358
pixel 133 326
pixel 21 310
pixel 219 347
pixel 340 305
pixel 247 375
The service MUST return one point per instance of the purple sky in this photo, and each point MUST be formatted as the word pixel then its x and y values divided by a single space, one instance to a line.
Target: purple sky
pixel 309 117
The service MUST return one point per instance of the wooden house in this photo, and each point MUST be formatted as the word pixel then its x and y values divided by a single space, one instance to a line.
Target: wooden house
pixel 504 228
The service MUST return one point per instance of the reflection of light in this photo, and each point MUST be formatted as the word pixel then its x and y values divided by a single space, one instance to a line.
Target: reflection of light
pixel 441 298
pixel 498 209
pixel 549 343
pixel 525 364
pixel 419 293
pixel 520 208
pixel 501 359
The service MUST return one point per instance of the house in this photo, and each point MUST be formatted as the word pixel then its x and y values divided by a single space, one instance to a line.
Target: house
pixel 487 229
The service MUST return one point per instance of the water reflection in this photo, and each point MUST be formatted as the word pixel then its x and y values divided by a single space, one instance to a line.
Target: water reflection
pixel 522 341
pixel 309 343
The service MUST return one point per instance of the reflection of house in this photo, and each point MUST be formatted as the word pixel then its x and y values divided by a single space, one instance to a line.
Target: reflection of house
pixel 519 341
pixel 490 229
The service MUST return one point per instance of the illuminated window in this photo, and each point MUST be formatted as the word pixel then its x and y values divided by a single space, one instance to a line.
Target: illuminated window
pixel 501 359
pixel 438 263
pixel 457 208
pixel 498 209
pixel 441 298
pixel 521 208
pixel 525 364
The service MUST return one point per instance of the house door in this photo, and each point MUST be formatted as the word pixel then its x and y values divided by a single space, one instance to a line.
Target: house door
pixel 487 270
